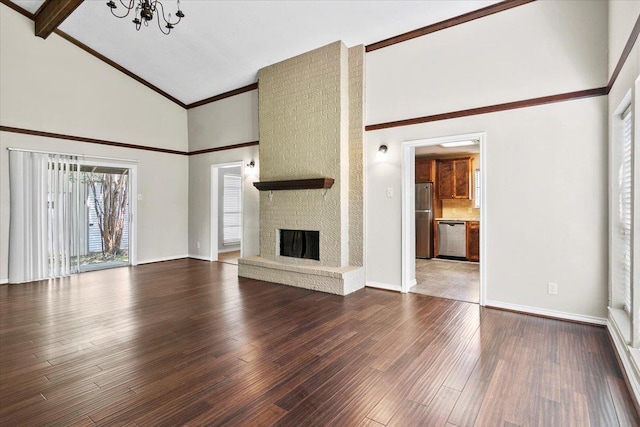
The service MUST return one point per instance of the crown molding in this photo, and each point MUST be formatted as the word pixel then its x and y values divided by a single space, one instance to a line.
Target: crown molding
pixel 18 9
pixel 247 88
pixel 118 67
pixel 491 108
pixel 452 22
pixel 88 140
pixel 625 54
pixel 94 53
pixel 223 148
pixel 54 135
pixel 505 5
pixel 487 11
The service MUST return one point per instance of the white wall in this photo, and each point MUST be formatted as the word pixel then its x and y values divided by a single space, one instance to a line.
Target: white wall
pixel 538 49
pixel 51 85
pixel 545 203
pixel 229 121
pixel 546 166
pixel 162 182
pixel 200 200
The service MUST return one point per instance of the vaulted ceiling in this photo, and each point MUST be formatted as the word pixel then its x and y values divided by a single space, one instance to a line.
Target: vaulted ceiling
pixel 220 45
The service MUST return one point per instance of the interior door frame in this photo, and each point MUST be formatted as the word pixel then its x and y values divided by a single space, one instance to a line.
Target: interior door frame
pixel 213 214
pixel 132 196
pixel 408 207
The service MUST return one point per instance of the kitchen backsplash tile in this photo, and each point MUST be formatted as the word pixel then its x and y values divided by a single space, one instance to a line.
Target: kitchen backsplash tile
pixel 459 209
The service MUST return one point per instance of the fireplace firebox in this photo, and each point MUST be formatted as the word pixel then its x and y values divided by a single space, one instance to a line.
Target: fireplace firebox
pixel 300 244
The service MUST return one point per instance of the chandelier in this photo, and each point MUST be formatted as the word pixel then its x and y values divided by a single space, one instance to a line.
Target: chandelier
pixel 144 11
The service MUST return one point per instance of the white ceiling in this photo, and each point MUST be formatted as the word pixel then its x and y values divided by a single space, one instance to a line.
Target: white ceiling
pixel 221 45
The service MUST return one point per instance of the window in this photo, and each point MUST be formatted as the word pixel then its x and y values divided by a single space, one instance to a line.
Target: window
pixel 624 297
pixel 621 214
pixel 232 209
pixel 624 208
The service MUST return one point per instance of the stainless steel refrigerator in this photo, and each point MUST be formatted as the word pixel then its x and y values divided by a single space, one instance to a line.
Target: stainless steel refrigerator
pixel 424 220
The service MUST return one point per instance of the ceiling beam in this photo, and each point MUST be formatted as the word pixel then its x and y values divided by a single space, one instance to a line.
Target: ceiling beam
pixel 52 13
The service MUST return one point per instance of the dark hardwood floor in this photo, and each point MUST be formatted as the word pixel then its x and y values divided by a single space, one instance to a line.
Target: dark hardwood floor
pixel 229 257
pixel 188 343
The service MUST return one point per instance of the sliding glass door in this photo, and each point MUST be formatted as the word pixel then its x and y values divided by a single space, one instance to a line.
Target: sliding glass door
pixel 104 218
pixel 67 215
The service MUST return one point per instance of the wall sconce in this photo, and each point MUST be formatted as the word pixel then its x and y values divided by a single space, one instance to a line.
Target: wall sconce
pixel 251 164
pixel 382 152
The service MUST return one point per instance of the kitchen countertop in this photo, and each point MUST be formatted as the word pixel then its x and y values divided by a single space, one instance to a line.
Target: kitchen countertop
pixel 457 219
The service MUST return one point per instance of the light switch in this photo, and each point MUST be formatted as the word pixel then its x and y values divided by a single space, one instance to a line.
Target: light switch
pixel 390 192
pixel 139 196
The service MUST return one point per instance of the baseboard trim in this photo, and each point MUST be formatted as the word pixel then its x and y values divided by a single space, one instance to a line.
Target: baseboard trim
pixel 169 258
pixel 628 366
pixel 385 286
pixel 552 314
pixel 4 281
pixel 200 257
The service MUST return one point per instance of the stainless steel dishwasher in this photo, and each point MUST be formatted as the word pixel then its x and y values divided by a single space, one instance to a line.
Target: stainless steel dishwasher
pixel 452 239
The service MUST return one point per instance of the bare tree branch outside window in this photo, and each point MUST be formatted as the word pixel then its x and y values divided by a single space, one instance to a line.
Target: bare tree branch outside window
pixel 111 212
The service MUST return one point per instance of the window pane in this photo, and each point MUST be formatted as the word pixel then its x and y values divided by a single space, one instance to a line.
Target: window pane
pixel 232 208
pixel 624 182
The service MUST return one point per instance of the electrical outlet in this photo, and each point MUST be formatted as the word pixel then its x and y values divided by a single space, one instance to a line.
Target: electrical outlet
pixel 198 245
pixel 390 192
pixel 552 288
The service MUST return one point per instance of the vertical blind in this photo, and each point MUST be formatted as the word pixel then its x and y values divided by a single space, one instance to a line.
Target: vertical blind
pixel 44 203
pixel 232 209
pixel 62 210
pixel 625 179
pixel 28 183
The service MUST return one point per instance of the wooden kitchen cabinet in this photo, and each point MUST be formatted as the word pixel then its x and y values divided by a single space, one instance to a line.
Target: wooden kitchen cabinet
pixel 473 241
pixel 424 169
pixel 454 178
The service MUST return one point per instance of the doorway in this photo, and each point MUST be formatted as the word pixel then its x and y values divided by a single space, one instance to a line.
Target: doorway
pixel 226 212
pixel 443 217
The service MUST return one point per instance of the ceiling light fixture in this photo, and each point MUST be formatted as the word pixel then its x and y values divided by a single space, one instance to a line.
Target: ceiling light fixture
pixel 458 143
pixel 144 11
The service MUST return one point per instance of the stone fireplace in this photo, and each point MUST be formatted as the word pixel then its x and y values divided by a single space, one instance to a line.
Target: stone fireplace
pixel 311 132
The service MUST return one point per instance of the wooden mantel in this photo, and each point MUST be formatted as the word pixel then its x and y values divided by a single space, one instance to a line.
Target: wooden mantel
pixel 295 184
